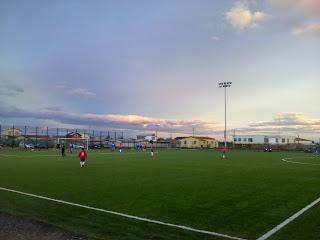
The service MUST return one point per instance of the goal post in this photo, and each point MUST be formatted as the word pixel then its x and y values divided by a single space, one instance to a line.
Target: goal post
pixel 79 142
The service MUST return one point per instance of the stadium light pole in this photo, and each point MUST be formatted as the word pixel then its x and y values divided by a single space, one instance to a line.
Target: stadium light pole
pixel 225 85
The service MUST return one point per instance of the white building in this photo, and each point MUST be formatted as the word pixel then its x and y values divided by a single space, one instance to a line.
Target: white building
pixel 263 139
pixel 147 137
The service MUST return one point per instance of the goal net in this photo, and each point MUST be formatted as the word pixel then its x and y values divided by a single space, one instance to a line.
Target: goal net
pixel 75 143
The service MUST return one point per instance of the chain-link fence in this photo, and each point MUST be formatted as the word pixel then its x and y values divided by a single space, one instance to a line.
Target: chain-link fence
pixel 48 137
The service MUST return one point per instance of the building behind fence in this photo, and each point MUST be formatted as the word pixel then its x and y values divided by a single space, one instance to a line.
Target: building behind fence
pixel 45 137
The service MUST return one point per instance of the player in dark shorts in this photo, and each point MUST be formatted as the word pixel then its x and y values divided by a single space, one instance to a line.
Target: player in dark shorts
pixel 82 156
pixel 63 150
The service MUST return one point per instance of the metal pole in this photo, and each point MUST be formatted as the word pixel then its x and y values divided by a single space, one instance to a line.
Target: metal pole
pixel 57 140
pixel 13 136
pixel 36 137
pixel 93 137
pixel 225 85
pixel 25 135
pixel 47 137
pixel 225 118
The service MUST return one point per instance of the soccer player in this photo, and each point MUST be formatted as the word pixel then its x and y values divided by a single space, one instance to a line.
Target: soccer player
pixel 120 147
pixel 82 156
pixel 224 151
pixel 151 148
pixel 63 150
pixel 70 147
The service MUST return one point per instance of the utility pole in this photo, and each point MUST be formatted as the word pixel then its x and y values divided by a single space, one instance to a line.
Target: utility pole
pixel 225 85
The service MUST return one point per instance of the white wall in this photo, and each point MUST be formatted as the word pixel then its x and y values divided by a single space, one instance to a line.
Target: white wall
pixel 260 139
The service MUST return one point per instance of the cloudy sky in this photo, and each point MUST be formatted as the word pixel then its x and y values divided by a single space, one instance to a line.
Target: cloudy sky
pixel 147 64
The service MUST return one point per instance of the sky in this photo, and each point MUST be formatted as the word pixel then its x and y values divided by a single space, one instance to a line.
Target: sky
pixel 146 65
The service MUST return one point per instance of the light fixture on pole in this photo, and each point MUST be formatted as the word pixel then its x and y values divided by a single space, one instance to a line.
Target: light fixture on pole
pixel 225 85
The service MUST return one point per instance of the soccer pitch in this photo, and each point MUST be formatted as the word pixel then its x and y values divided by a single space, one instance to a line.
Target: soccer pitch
pixel 244 196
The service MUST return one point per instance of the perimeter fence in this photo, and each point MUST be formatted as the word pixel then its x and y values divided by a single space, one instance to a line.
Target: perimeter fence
pixel 47 137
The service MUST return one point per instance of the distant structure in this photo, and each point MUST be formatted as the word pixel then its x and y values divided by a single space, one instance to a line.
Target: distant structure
pixel 74 135
pixel 148 138
pixel 303 141
pixel 197 142
pixel 12 132
pixel 269 140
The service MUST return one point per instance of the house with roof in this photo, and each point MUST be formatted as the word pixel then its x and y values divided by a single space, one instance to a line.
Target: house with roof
pixel 197 142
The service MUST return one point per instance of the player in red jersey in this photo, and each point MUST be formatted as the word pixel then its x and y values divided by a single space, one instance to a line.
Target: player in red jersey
pixel 82 156
pixel 224 151
pixel 152 149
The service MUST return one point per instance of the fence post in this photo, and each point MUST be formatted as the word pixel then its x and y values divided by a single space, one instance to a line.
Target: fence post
pixel 12 144
pixel 36 137
pixel 47 137
pixel 25 135
pixel 100 138
pixel 93 138
pixel 0 131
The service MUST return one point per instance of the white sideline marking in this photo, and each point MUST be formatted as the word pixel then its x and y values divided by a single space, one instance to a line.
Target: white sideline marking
pixel 287 221
pixel 286 160
pixel 124 215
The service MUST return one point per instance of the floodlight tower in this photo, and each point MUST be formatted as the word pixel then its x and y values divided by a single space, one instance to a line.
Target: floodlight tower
pixel 225 85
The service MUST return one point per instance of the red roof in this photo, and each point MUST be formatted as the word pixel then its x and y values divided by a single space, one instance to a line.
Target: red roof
pixel 73 135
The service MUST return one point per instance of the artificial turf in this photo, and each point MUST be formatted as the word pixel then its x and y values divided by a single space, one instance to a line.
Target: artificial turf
pixel 245 195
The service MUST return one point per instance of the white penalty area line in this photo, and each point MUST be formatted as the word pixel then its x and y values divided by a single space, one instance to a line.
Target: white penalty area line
pixel 287 221
pixel 288 161
pixel 124 215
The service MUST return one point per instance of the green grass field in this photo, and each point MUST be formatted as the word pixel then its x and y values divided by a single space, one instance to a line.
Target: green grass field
pixel 244 196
